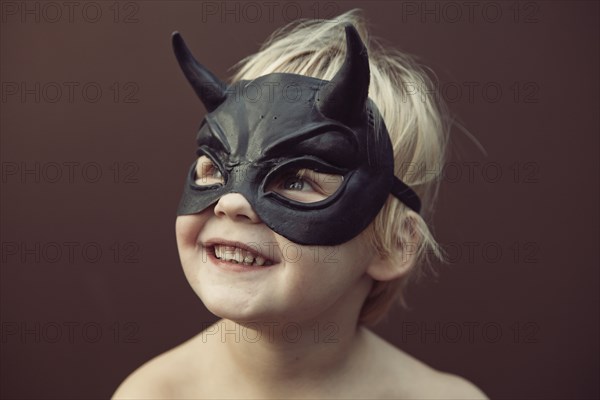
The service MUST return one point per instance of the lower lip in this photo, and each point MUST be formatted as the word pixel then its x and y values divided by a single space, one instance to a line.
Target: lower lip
pixel 229 266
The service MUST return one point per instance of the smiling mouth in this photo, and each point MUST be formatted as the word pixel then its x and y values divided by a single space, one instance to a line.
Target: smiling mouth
pixel 236 255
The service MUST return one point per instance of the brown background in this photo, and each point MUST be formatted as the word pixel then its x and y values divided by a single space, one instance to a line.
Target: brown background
pixel 524 271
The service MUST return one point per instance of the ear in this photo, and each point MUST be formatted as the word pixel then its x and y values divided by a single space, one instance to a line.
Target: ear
pixel 393 267
pixel 402 259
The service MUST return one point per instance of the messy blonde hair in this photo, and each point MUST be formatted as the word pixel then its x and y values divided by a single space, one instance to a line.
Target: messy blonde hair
pixel 416 122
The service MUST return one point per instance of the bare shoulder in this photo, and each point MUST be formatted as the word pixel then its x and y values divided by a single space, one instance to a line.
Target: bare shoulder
pixel 412 378
pixel 159 377
pixel 449 386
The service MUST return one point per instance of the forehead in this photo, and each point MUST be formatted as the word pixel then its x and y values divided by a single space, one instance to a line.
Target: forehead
pixel 272 112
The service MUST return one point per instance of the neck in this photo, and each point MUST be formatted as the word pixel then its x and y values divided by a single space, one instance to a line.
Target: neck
pixel 280 358
pixel 285 357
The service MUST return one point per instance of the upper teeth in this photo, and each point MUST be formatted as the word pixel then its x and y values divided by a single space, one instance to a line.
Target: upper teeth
pixel 237 255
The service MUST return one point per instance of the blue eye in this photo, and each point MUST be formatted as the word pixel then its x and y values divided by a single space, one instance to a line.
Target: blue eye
pixel 294 183
pixel 306 185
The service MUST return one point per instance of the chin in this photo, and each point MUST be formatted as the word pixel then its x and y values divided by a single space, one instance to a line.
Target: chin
pixel 240 308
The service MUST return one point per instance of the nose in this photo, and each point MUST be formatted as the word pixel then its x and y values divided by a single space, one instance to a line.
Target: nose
pixel 236 207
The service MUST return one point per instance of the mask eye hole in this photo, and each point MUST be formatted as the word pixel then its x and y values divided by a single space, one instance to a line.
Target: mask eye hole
pixel 207 173
pixel 305 185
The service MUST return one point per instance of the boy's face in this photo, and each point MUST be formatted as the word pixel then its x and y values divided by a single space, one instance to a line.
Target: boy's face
pixel 307 161
pixel 303 283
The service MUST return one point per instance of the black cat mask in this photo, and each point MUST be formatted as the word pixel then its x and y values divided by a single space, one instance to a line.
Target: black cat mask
pixel 259 133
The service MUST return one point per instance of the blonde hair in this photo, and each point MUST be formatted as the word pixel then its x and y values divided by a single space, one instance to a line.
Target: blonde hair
pixel 417 123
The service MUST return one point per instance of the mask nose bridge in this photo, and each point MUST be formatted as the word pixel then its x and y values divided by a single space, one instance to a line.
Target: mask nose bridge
pixel 245 176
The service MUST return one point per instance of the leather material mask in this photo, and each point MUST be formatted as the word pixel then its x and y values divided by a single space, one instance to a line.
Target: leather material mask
pixel 257 133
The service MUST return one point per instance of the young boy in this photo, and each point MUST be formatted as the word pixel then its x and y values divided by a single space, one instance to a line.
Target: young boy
pixel 302 219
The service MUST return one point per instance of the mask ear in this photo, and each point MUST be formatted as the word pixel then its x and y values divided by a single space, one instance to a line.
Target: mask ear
pixel 344 97
pixel 207 86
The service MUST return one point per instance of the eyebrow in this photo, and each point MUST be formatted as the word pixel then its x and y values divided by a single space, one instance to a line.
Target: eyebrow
pixel 216 132
pixel 309 131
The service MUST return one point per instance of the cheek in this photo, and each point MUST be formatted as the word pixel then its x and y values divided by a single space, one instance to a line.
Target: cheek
pixel 187 229
pixel 327 271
